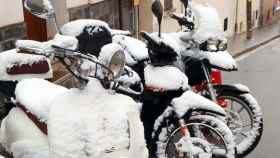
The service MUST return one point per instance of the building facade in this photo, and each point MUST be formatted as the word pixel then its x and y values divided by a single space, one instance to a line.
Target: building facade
pixel 12 26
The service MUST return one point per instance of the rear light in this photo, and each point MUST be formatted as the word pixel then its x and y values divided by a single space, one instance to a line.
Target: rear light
pixel 216 77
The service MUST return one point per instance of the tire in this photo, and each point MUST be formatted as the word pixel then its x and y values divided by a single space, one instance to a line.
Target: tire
pixel 3 110
pixel 253 130
pixel 164 135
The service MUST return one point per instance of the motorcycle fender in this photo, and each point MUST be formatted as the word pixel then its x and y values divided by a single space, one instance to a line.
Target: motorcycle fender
pixel 191 101
pixel 234 88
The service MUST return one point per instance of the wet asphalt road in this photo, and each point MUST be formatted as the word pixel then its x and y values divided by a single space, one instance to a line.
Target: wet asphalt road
pixel 260 71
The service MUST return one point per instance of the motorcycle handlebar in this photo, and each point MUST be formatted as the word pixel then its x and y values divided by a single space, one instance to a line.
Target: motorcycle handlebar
pixel 183 21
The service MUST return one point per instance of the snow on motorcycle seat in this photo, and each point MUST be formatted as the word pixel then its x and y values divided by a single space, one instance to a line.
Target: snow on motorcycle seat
pixel 16 66
pixel 35 96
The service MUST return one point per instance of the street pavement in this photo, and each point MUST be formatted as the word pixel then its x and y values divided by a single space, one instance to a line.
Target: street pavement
pixel 260 71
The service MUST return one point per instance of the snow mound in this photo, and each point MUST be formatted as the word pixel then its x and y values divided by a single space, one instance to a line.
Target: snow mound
pixel 165 77
pixel 37 95
pixel 209 24
pixel 90 123
pixel 75 28
pixel 190 100
pixel 135 50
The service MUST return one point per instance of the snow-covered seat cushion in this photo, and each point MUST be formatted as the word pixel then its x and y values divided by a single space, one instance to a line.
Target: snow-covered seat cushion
pixel 36 95
pixel 16 66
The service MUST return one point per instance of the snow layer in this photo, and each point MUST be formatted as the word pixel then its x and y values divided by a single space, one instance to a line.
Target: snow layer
pixel 91 122
pixel 209 24
pixel 37 96
pixel 45 48
pixel 165 77
pixel 11 58
pixel 220 59
pixel 75 28
pixel 190 100
pixel 135 50
pixel 20 136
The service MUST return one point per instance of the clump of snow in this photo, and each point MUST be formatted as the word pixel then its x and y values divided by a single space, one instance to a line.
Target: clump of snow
pixel 115 32
pixel 165 39
pixel 135 50
pixel 194 147
pixel 37 95
pixel 190 100
pixel 29 149
pixel 90 122
pixel 165 77
pixel 11 58
pixel 20 136
pixel 45 48
pixel 209 24
pixel 221 59
pixel 75 28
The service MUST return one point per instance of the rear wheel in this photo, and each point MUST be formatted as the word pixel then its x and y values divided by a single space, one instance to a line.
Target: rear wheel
pixel 245 120
pixel 208 135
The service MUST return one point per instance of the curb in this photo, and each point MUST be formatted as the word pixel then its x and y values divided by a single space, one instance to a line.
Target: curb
pixel 247 50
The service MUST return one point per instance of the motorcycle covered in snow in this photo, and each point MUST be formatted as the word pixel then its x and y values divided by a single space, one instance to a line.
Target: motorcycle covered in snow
pixel 204 53
pixel 171 111
pixel 90 120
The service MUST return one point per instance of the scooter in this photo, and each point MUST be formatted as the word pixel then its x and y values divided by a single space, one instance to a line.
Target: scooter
pixel 88 121
pixel 204 55
pixel 87 28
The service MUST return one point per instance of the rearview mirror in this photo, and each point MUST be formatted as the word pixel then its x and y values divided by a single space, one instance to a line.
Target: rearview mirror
pixel 157 10
pixel 40 8
pixel 185 3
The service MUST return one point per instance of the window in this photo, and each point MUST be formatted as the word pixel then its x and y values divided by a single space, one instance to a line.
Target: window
pixel 168 5
pixel 226 24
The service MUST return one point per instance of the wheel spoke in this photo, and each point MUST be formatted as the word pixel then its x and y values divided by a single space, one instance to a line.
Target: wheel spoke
pixel 240 110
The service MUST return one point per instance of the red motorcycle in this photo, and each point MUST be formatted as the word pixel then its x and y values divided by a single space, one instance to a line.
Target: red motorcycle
pixel 204 56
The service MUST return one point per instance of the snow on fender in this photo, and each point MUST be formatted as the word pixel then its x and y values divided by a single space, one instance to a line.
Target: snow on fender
pixel 190 100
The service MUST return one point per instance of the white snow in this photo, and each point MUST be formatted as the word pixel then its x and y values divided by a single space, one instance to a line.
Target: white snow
pixel 20 136
pixel 190 100
pixel 209 24
pixel 135 50
pixel 115 32
pixel 90 122
pixel 257 121
pixel 75 28
pixel 165 77
pixel 221 59
pixel 45 48
pixel 37 95
pixel 11 58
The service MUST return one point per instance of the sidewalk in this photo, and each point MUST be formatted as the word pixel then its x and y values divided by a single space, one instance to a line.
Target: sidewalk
pixel 238 44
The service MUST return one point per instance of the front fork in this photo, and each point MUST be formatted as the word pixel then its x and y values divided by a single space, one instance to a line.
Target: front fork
pixel 210 88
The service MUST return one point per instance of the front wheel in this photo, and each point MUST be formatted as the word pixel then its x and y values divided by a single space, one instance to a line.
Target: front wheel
pixel 209 135
pixel 245 119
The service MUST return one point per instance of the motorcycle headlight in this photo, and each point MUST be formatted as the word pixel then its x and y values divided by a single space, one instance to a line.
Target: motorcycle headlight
pixel 223 45
pixel 117 63
pixel 212 45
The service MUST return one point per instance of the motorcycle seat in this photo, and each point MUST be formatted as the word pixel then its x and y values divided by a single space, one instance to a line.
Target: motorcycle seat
pixel 35 96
